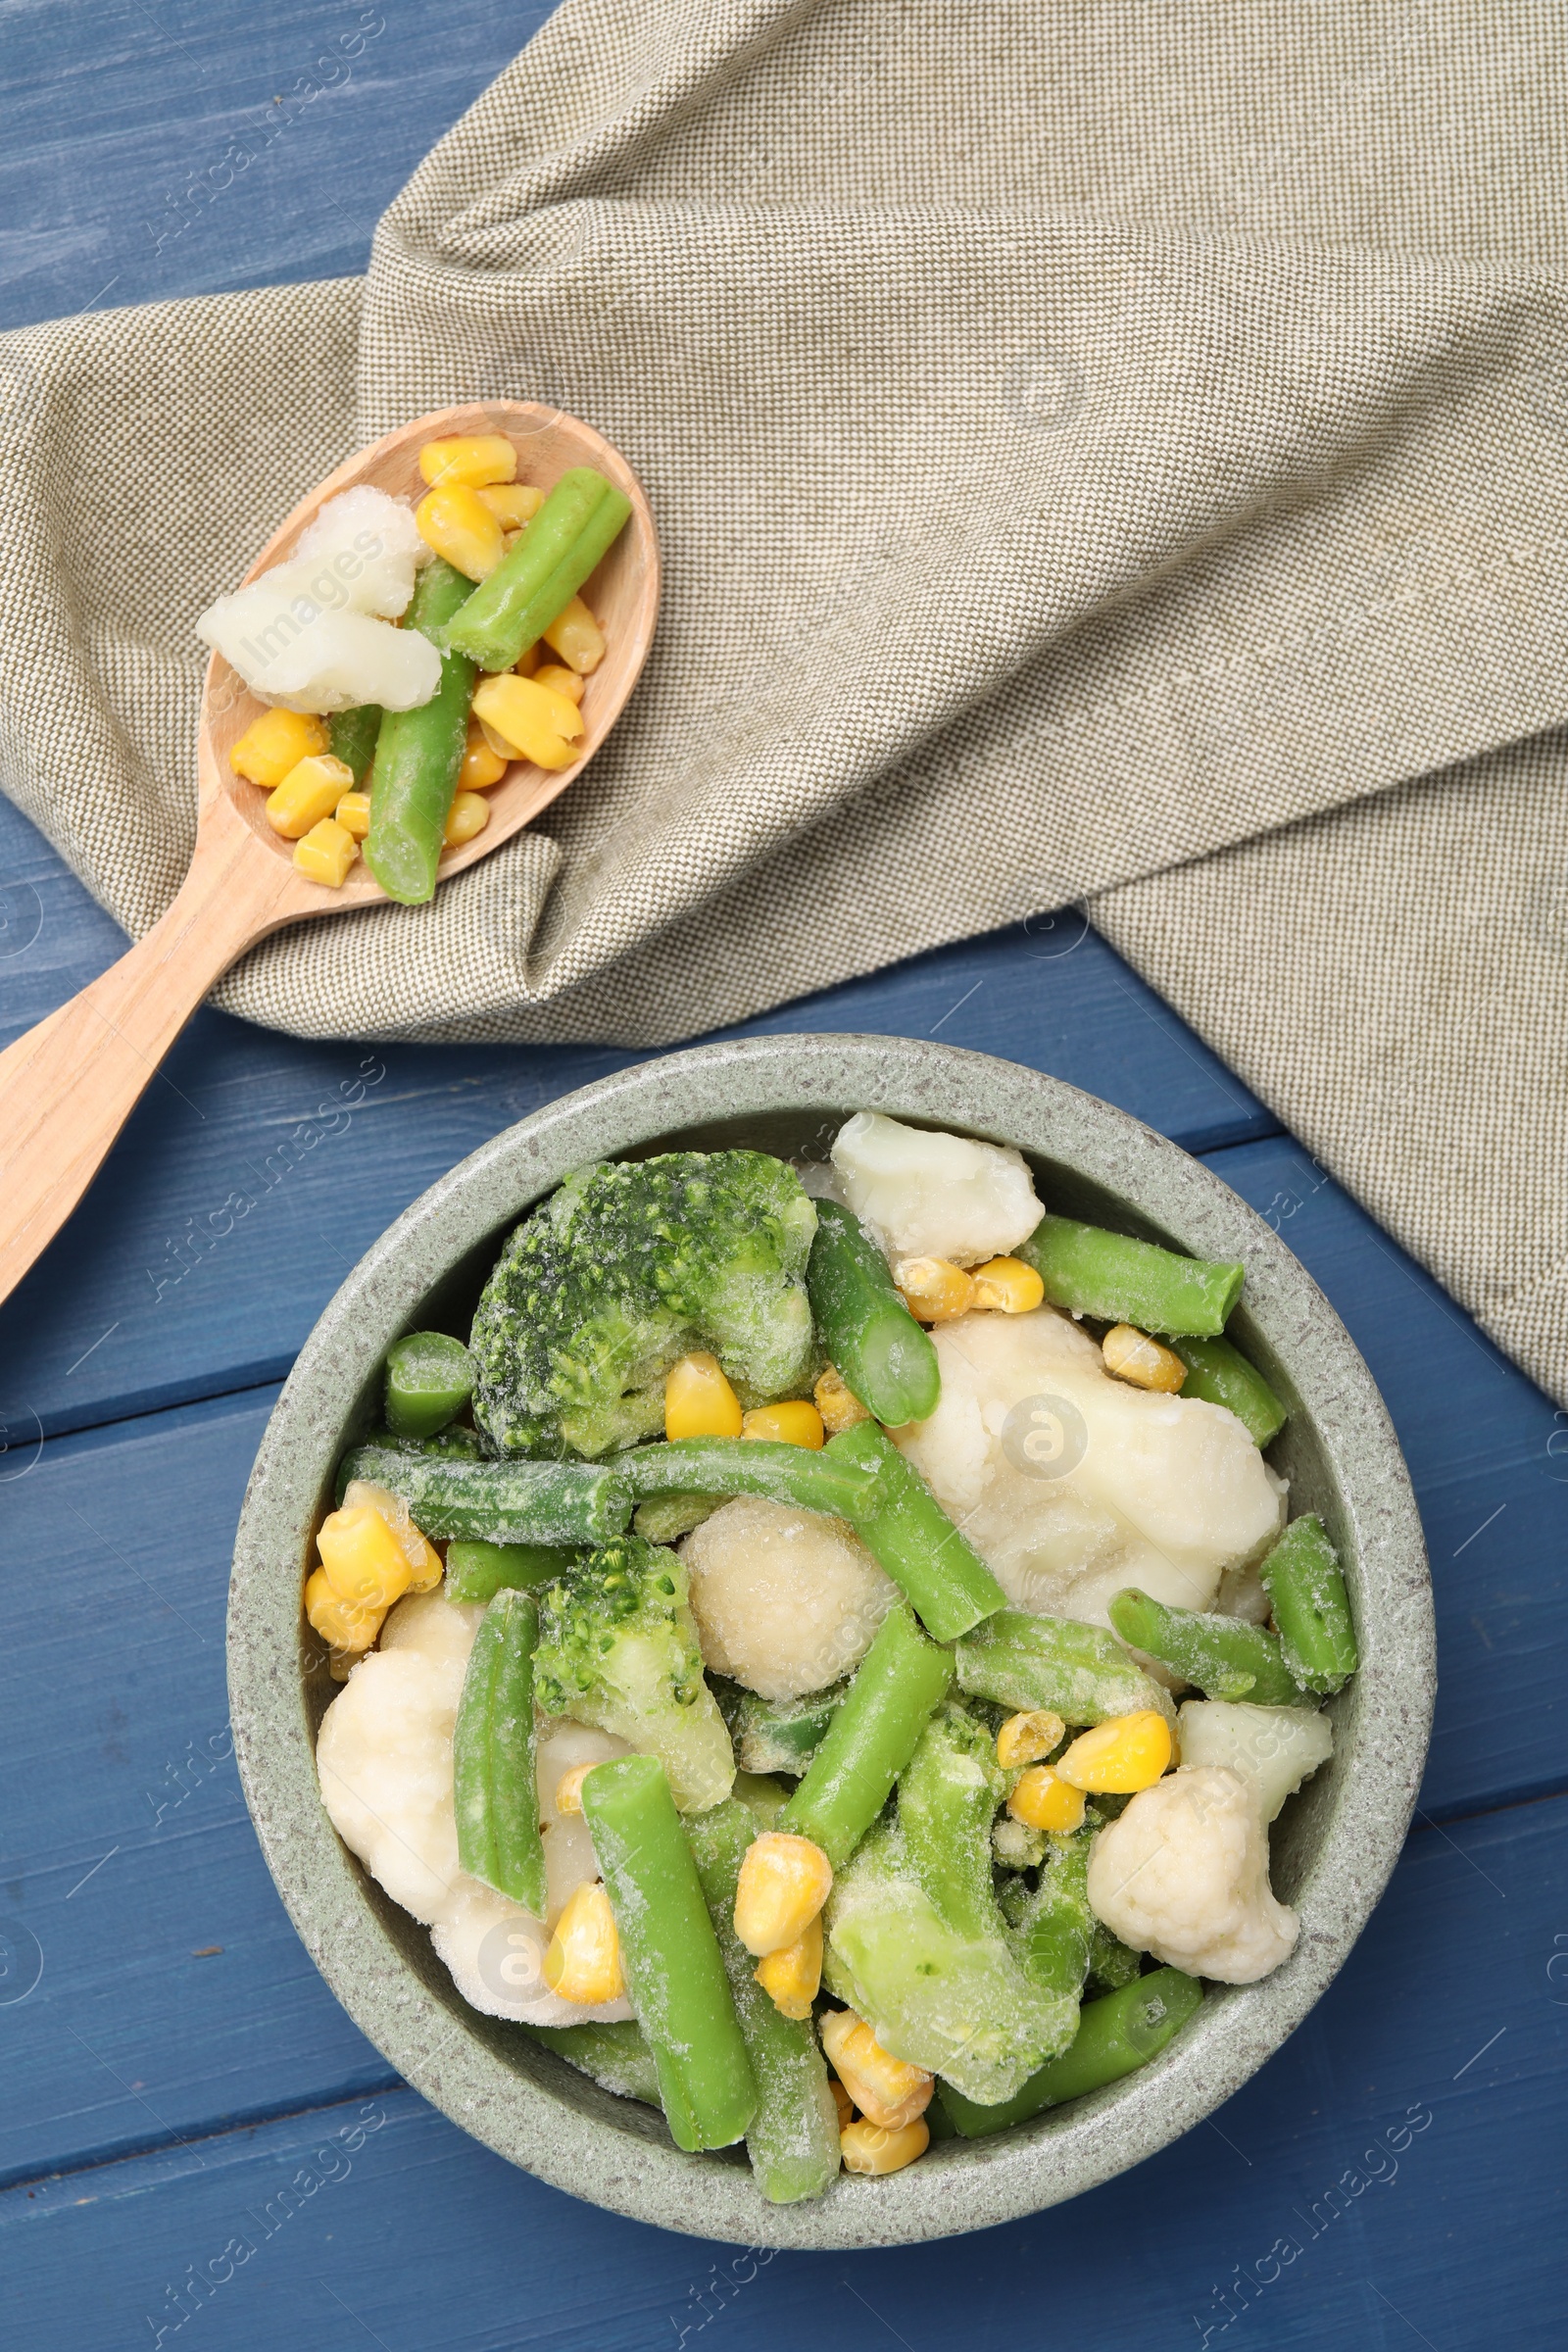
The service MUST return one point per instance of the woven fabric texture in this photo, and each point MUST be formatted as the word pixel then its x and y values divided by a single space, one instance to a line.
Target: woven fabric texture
pixel 1103 453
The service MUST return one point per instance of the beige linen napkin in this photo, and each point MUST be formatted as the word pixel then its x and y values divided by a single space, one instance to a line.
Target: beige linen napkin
pixel 1107 452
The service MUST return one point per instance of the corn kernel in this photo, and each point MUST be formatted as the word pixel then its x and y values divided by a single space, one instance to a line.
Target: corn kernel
pixel 561 680
pixel 366 1565
pixel 353 814
pixel 842 2101
pixel 527 664
pixel 568 1789
pixel 1041 1800
pixel 326 852
pixel 340 1663
pixel 1024 1738
pixel 528 719
pixel 512 504
pixel 474 459
pixel 1128 1752
pixel 866 2148
pixel 338 1621
pixel 484 762
pixel 793 1976
pixel 934 1290
pixel 784 1881
pixel 1006 1286
pixel 275 743
pixel 888 2091
pixel 577 638
pixel 468 814
pixel 583 1962
pixel 698 1401
pixel 795 1423
pixel 311 790
pixel 1132 1355
pixel 838 1404
pixel 425 1569
pixel 465 534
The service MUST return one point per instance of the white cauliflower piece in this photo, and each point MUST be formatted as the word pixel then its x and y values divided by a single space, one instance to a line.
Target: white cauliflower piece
pixel 384 1756
pixel 1273 1748
pixel 372 544
pixel 1183 1874
pixel 569 1848
pixel 785 1600
pixel 1071 1484
pixel 933 1195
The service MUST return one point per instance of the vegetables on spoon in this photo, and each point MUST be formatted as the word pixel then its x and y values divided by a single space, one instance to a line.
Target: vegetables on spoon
pixel 532 585
pixel 419 752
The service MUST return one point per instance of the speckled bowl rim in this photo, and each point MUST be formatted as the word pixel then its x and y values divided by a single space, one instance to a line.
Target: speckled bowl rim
pixel 551 2121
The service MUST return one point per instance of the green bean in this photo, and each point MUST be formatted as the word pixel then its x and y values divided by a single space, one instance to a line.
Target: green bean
pixel 1078 1671
pixel 1225 1656
pixel 352 735
pixel 1053 1927
pixel 429 1379
pixel 614 2056
pixel 909 1534
pixel 782 1734
pixel 419 752
pixel 875 1345
pixel 665 1518
pixel 1220 1374
pixel 692 1466
pixel 899 1683
pixel 1116 2036
pixel 498 1502
pixel 494 1788
pixel 479 1571
pixel 670 1954
pixel 794 2138
pixel 1093 1272
pixel 1311 1607
pixel 533 585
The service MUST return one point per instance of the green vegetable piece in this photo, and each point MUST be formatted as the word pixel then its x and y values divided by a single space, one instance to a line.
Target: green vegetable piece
pixel 455 1445
pixel 533 585
pixel 794 2138
pixel 498 1502
pixel 897 1685
pixel 1111 1963
pixel 494 1790
pixel 782 1734
pixel 618 1649
pixel 665 1518
pixel 1054 1926
pixel 429 1379
pixel 479 1571
pixel 1220 1374
pixel 1093 1272
pixel 352 734
pixel 1311 1607
pixel 1116 2036
pixel 1226 1657
pixel 909 1534
pixel 625 1269
pixel 873 1341
pixel 419 752
pixel 670 1954
pixel 614 2056
pixel 724 1466
pixel 1078 1671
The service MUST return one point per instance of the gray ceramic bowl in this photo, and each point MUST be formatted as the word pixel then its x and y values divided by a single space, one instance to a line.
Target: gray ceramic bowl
pixel 1334 1847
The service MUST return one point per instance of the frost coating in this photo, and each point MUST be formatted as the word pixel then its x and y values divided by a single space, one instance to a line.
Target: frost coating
pixel 786 1602
pixel 1183 1874
pixel 1273 1748
pixel 934 1195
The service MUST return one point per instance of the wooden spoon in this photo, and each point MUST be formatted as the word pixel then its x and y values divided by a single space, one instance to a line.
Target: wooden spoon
pixel 67 1086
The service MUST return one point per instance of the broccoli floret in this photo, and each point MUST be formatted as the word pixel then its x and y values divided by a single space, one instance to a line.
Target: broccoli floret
pixel 625 1269
pixel 618 1649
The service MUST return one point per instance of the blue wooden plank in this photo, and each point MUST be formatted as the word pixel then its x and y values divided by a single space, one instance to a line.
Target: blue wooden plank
pixel 1394 2176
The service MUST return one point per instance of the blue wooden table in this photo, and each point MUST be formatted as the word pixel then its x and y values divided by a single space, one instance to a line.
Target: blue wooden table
pixel 196 2146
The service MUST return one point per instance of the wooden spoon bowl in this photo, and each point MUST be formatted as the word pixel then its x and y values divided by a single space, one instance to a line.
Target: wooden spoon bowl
pixel 69 1085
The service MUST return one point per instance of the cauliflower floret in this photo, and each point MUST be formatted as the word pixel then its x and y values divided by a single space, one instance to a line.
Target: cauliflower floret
pixel 569 1848
pixel 374 544
pixel 1273 1748
pixel 786 1600
pixel 933 1195
pixel 1070 1483
pixel 1183 1874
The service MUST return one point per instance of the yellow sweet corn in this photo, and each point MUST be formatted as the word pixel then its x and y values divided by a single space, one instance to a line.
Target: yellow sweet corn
pixel 1042 1800
pixel 1025 1737
pixel 868 2148
pixel 311 790
pixel 465 533
pixel 568 1789
pixel 1006 1286
pixel 474 459
pixel 535 723
pixel 784 1881
pixel 1132 1355
pixel 795 1423
pixel 583 1962
pixel 484 762
pixel 577 638
pixel 512 504
pixel 353 814
pixel 366 1565
pixel 275 743
pixel 888 2091
pixel 933 1290
pixel 838 1406
pixel 425 1569
pixel 698 1401
pixel 561 680
pixel 1128 1752
pixel 793 1978
pixel 326 852
pixel 527 664
pixel 336 1620
pixel 468 814
pixel 842 2101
